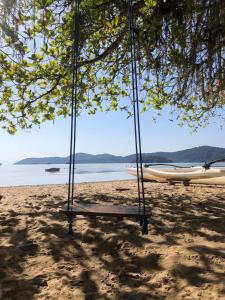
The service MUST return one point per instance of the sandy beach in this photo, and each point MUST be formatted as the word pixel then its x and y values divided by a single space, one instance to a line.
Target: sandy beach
pixel 182 257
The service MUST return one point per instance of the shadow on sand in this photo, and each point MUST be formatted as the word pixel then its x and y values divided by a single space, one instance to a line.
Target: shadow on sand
pixel 106 257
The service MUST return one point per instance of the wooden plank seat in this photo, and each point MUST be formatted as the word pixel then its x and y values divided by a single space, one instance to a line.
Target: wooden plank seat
pixel 104 210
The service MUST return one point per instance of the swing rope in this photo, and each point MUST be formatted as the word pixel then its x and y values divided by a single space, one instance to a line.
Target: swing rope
pixel 75 58
pixel 136 112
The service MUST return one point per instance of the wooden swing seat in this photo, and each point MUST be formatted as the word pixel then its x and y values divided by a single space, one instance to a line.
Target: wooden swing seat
pixel 101 210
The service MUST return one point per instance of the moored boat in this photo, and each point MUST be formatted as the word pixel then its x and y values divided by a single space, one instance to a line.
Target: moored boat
pixel 52 170
pixel 185 175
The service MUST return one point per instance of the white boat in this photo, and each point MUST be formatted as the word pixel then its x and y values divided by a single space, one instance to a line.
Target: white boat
pixel 147 176
pixel 186 175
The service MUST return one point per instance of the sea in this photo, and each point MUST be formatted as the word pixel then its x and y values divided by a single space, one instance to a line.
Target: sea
pixel 20 175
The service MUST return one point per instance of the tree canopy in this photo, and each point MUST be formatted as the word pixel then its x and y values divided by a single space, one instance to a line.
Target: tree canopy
pixel 180 54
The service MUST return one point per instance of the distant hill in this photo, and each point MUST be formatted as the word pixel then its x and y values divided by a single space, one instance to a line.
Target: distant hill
pixel 197 154
pixel 98 158
pixel 42 160
pixel 84 158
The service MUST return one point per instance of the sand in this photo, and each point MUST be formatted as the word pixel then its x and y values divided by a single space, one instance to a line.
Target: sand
pixel 182 257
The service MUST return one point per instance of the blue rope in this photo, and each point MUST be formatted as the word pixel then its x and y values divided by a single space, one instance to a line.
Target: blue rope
pixel 136 111
pixel 75 57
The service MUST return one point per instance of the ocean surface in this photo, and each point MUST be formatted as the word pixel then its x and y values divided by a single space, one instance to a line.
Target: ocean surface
pixel 16 175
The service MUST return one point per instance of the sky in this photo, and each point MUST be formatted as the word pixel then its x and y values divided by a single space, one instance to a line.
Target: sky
pixel 106 133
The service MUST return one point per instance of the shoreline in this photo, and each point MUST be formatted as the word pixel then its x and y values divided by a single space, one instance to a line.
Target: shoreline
pixel 65 184
pixel 177 184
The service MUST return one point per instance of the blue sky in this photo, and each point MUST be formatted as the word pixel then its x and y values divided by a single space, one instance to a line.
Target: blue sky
pixel 106 133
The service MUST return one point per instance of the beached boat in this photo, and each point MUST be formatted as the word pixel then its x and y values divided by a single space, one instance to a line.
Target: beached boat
pixel 52 170
pixel 185 175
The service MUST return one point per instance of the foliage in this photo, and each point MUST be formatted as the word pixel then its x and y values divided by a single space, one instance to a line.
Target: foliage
pixel 180 52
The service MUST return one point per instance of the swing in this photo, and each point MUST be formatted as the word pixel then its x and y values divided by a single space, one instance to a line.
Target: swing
pixel 72 209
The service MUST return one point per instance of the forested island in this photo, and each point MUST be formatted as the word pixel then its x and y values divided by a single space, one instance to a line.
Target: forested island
pixel 197 154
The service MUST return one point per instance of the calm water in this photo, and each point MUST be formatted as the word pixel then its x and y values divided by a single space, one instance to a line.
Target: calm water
pixel 14 175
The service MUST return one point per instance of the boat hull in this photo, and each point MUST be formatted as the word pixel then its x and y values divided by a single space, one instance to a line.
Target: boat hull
pixel 194 175
pixel 52 170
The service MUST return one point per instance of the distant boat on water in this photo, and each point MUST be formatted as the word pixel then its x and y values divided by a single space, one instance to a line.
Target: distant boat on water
pixel 52 170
